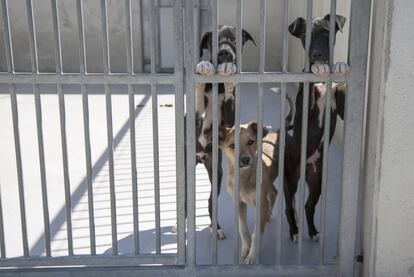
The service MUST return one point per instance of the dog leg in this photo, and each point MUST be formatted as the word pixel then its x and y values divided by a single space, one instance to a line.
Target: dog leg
pixel 208 166
pixel 314 179
pixel 226 69
pixel 204 68
pixel 264 210
pixel 244 230
pixel 290 187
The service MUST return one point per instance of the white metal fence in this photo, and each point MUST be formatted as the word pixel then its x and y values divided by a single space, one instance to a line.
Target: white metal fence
pixel 183 79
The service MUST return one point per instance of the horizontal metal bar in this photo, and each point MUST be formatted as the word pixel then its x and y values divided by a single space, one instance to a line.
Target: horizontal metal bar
pixel 86 260
pixel 268 78
pixel 123 79
pixel 251 270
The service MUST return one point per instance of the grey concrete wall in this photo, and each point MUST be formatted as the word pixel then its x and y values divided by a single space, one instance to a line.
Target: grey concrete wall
pixel 117 36
pixel 389 208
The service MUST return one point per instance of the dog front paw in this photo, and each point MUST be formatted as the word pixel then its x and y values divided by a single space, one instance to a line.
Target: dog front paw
pixel 315 238
pixel 320 69
pixel 220 234
pixel 250 258
pixel 295 238
pixel 205 68
pixel 174 229
pixel 226 69
pixel 341 68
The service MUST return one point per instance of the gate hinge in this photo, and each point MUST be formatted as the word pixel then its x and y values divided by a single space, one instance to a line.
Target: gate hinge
pixel 359 258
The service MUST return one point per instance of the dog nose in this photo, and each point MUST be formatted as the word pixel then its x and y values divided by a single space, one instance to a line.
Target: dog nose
pixel 244 161
pixel 224 56
pixel 317 55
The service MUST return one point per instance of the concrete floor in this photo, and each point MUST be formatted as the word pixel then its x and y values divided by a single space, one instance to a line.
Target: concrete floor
pixel 54 170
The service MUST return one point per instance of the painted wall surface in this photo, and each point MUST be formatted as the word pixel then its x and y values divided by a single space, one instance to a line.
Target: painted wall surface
pixel 117 34
pixel 389 209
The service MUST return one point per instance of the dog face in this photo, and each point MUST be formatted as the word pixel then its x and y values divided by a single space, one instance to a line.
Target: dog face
pixel 248 147
pixel 226 51
pixel 319 46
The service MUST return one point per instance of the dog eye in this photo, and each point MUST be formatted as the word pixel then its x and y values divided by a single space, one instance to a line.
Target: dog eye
pixel 232 146
pixel 250 142
pixel 232 39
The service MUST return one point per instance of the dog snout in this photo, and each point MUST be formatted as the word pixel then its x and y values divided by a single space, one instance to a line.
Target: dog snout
pixel 224 56
pixel 244 161
pixel 318 56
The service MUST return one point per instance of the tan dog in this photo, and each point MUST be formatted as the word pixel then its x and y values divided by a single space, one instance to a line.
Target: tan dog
pixel 248 163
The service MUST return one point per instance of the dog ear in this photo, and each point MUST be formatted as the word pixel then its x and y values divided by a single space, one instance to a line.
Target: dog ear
pixel 247 36
pixel 340 21
pixel 223 131
pixel 204 42
pixel 253 127
pixel 298 27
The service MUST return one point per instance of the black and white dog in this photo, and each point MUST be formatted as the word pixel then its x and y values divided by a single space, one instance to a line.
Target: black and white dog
pixel 319 56
pixel 227 65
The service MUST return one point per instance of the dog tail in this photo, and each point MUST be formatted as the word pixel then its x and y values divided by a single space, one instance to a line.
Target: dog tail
pixel 289 117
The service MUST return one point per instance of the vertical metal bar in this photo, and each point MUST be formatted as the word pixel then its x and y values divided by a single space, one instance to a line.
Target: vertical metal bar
pixel 7 37
pixel 281 165
pixel 156 168
pixel 131 101
pixel 326 134
pixel 237 136
pixel 179 129
pixel 304 138
pixel 190 127
pixel 39 124
pixel 2 241
pixel 262 61
pixel 154 97
pixel 353 134
pixel 152 36
pixel 108 101
pixel 15 116
pixel 85 111
pixel 259 173
pixel 62 116
pixel 214 15
pixel 260 131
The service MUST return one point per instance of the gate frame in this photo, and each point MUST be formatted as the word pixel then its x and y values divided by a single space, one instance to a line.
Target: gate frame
pixel 184 79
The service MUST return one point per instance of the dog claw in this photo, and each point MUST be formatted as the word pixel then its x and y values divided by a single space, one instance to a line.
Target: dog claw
pixel 205 68
pixel 341 68
pixel 220 234
pixel 321 69
pixel 174 229
pixel 315 238
pixel 226 69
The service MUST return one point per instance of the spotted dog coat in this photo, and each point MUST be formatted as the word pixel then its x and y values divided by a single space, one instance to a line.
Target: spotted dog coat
pixel 227 65
pixel 319 56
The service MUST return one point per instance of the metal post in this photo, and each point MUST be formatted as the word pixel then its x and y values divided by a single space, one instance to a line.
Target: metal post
pixel 179 127
pixel 39 123
pixel 86 132
pixel 131 102
pixel 15 116
pixel 62 116
pixel 354 114
pixel 304 138
pixel 326 134
pixel 281 165
pixel 214 16
pixel 236 199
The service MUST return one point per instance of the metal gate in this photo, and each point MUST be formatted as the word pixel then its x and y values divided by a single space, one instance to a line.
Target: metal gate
pixel 183 79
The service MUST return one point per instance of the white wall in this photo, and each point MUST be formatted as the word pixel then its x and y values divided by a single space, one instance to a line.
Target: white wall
pixel 389 209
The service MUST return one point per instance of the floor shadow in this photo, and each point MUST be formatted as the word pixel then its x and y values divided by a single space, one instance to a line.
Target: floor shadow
pixel 55 225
